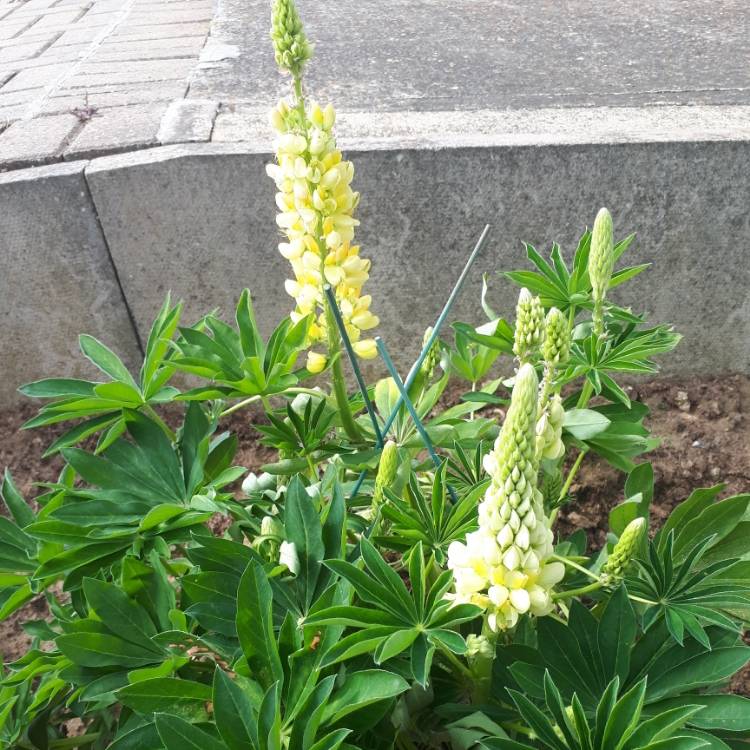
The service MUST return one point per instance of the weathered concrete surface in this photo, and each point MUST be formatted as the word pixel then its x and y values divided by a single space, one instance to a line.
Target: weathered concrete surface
pixel 199 220
pixel 57 280
pixel 525 115
pixel 114 64
pixel 406 55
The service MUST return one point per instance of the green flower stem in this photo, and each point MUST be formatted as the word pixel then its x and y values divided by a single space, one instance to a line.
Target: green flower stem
pixel 516 727
pixel 299 96
pixel 577 592
pixel 586 393
pixel 571 317
pixel 456 663
pixel 240 405
pixel 570 563
pixel 252 399
pixel 339 385
pixel 571 475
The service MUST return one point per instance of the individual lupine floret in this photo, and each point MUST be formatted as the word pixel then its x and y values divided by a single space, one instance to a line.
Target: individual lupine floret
pixel 529 331
pixel 291 48
pixel 504 566
pixel 549 428
pixel 626 547
pixel 601 264
pixel 316 205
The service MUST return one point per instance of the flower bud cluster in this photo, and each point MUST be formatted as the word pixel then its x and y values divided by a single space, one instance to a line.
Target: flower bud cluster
pixel 549 444
pixel 316 205
pixel 387 470
pixel 601 264
pixel 556 346
pixel 432 359
pixel 529 331
pixel 290 44
pixel 504 566
pixel 626 547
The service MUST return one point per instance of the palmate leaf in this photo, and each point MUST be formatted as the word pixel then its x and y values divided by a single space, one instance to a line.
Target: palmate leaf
pixel 617 724
pixel 560 286
pixel 623 439
pixel 142 490
pixel 432 522
pixel 584 655
pixel 688 595
pixel 301 435
pixel 625 350
pixel 397 621
pixel 236 360
pixel 103 406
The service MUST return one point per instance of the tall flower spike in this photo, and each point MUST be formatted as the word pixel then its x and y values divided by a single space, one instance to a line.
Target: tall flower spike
pixel 504 565
pixel 291 48
pixel 316 213
pixel 627 545
pixel 529 332
pixel 601 264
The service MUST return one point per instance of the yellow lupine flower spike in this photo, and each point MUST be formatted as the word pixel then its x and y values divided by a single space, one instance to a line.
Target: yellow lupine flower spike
pixel 504 566
pixel 316 205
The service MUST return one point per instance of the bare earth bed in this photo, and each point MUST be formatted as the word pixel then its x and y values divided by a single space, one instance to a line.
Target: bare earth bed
pixel 704 424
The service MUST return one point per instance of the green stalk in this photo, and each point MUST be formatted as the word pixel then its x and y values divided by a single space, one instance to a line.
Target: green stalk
pixel 570 563
pixel 586 393
pixel 577 592
pixel 571 475
pixel 461 668
pixel 339 384
pixel 239 405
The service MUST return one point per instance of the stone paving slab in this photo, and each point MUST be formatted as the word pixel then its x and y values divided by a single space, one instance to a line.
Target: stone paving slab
pixel 436 55
pixel 117 65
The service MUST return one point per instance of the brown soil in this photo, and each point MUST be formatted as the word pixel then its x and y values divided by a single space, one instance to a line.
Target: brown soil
pixel 704 424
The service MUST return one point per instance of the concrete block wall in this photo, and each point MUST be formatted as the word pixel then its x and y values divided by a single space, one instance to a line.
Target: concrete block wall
pixel 94 246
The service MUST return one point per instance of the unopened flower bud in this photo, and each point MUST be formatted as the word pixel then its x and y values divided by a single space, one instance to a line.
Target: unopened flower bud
pixel 258 483
pixel 271 526
pixel 288 556
pixel 478 646
pixel 556 347
pixel 529 332
pixel 290 44
pixel 366 348
pixel 433 356
pixel 316 362
pixel 627 545
pixel 601 256
pixel 387 470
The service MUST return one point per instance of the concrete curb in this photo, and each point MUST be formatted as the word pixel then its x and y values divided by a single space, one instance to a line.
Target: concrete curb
pixel 199 218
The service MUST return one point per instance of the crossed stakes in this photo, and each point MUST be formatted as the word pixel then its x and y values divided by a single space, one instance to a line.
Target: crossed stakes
pixel 403 386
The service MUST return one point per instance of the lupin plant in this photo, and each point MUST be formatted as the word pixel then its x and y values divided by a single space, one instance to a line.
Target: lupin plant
pixel 394 578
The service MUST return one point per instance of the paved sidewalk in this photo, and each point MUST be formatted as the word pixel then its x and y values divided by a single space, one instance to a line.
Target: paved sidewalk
pixel 79 77
pixel 85 78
